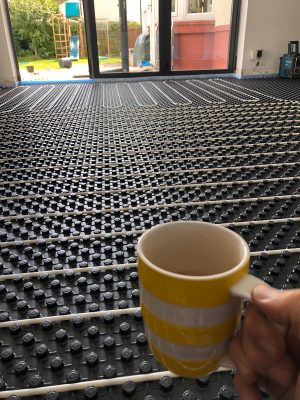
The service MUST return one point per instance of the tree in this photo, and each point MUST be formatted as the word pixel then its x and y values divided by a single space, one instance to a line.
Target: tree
pixel 31 26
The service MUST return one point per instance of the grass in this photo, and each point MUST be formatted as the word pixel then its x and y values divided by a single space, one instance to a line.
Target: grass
pixel 42 64
pixel 52 63
pixel 111 60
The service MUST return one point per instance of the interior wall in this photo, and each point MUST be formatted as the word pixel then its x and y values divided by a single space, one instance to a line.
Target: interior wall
pixel 8 72
pixel 267 25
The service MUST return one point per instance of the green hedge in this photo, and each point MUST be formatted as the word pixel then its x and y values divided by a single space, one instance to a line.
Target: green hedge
pixel 32 27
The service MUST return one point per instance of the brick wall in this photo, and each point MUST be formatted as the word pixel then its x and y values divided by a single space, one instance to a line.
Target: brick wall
pixel 200 45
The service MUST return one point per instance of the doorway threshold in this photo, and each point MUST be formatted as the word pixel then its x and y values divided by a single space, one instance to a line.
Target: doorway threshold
pixel 55 82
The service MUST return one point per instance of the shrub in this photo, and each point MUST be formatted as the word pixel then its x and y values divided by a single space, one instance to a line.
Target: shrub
pixel 31 26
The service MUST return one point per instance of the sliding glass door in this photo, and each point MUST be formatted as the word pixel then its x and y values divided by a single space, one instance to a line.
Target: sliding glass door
pixel 135 37
pixel 127 35
pixel 166 37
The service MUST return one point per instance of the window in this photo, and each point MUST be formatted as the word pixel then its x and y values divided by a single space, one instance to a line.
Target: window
pixel 199 6
pixel 174 7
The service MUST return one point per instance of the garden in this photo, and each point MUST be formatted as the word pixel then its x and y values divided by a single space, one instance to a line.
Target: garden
pixel 37 51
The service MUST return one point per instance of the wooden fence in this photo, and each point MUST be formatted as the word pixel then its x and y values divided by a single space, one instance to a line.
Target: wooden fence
pixel 109 43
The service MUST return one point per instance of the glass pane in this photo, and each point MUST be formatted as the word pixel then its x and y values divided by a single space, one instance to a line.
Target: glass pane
pixel 50 41
pixel 199 6
pixel 201 34
pixel 207 5
pixel 127 35
pixel 194 6
pixel 173 6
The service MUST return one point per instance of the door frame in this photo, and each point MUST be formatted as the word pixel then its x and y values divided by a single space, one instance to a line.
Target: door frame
pixel 11 39
pixel 164 44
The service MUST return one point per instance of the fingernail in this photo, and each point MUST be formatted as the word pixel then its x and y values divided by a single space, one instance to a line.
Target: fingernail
pixel 268 348
pixel 264 293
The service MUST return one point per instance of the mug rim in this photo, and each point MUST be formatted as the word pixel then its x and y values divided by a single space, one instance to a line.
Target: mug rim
pixel 240 265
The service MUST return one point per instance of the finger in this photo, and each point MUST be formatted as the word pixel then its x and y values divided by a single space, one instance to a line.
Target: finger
pixel 282 377
pixel 282 371
pixel 293 342
pixel 246 391
pixel 281 307
pixel 236 354
pixel 297 388
pixel 260 334
pixel 275 379
pixel 262 383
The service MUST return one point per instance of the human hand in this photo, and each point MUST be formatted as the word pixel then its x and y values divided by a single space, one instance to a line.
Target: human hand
pixel 266 351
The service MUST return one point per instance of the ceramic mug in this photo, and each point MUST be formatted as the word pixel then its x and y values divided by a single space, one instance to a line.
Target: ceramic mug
pixel 193 277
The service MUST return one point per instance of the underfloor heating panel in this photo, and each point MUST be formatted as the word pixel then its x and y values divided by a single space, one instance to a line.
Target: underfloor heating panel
pixel 86 169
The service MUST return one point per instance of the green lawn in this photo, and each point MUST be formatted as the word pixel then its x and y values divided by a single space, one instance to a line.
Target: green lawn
pixel 52 63
pixel 109 60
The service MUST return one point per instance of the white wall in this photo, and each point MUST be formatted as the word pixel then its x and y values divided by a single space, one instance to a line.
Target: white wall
pixel 109 9
pixel 133 10
pixel 268 25
pixel 8 73
pixel 154 26
pixel 223 12
pixel 242 37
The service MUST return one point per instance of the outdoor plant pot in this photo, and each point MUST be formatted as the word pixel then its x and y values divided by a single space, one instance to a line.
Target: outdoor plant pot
pixel 30 68
pixel 65 62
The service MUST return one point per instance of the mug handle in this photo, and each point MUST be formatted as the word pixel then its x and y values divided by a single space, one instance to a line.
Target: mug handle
pixel 245 285
pixel 241 289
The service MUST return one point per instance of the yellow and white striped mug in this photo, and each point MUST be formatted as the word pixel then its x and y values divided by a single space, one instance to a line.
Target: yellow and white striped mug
pixel 192 278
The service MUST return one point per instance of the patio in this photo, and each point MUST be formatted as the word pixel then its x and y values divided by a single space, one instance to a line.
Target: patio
pixel 78 71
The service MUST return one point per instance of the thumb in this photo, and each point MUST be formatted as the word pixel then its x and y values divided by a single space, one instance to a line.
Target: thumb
pixel 280 306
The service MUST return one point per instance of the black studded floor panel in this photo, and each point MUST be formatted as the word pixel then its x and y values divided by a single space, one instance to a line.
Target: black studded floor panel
pixel 85 170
